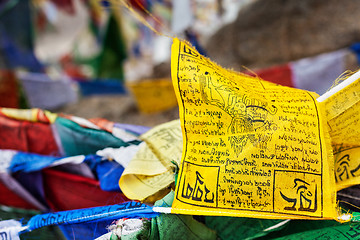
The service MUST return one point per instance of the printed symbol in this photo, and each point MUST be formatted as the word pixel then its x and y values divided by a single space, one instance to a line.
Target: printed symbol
pixel 190 51
pixel 343 169
pixel 199 185
pixel 354 231
pixel 3 236
pixel 249 115
pixel 304 196
pixel 195 192
pixel 169 137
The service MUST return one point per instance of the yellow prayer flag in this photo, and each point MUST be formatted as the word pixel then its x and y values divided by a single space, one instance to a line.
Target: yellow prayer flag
pixel 165 141
pixel 145 175
pixel 151 170
pixel 347 166
pixel 251 148
pixel 342 104
pixel 153 95
pixel 32 115
pixel 343 114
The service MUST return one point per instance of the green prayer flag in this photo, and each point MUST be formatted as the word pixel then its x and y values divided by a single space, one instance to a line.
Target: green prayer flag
pixel 344 231
pixel 110 61
pixel 77 140
pixel 173 226
pixel 49 232
pixel 228 228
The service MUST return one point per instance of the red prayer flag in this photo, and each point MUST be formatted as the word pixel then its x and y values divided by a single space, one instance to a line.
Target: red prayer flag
pixel 278 74
pixel 34 137
pixel 65 191
pixel 8 89
pixel 9 198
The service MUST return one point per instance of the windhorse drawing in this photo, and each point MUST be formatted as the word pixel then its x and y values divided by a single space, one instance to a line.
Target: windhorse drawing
pixel 343 170
pixel 249 115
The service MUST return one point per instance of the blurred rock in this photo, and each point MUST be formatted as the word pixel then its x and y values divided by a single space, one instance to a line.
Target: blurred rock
pixel 271 32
